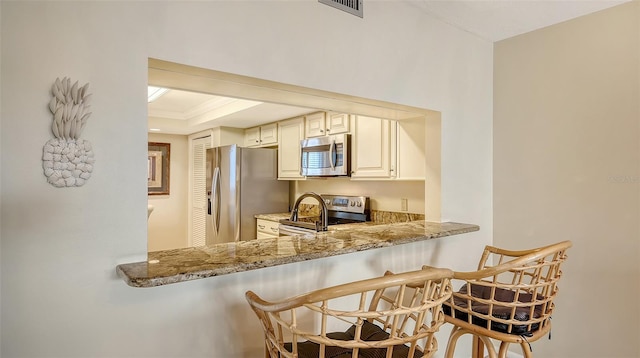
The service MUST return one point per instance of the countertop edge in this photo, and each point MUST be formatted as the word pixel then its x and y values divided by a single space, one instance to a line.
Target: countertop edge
pixel 140 275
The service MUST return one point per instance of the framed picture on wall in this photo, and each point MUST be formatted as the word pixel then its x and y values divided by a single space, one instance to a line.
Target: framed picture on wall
pixel 158 171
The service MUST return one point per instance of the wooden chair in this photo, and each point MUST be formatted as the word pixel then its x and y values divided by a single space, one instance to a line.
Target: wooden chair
pixel 509 299
pixel 394 315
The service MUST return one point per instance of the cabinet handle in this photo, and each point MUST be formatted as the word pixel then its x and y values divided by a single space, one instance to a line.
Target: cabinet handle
pixel 274 229
pixel 328 130
pixel 321 131
pixel 261 226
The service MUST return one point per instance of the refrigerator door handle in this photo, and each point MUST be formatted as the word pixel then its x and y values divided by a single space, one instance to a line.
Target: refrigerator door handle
pixel 215 192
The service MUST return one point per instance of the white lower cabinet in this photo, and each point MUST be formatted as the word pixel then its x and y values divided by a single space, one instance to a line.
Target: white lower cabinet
pixel 266 229
pixel 290 133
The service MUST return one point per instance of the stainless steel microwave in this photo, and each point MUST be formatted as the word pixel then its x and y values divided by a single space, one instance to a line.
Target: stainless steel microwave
pixel 326 156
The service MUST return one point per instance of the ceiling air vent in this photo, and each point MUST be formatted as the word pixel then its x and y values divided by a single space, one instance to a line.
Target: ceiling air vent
pixel 351 6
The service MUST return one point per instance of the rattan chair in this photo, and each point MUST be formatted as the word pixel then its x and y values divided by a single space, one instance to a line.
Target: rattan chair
pixel 509 299
pixel 394 315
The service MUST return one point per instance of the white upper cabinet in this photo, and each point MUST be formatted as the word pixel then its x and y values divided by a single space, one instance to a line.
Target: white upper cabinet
pixel 388 149
pixel 337 123
pixel 381 149
pixel 252 137
pixel 266 135
pixel 325 123
pixel 269 134
pixel 290 133
pixel 315 125
pixel 371 147
pixel 222 136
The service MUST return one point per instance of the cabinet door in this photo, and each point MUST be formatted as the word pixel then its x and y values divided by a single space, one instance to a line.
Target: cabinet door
pixel 267 227
pixel 370 144
pixel 337 123
pixel 198 187
pixel 252 137
pixel 269 134
pixel 314 125
pixel 290 133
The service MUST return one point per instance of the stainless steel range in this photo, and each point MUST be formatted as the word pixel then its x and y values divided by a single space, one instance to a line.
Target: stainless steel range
pixel 334 210
pixel 346 209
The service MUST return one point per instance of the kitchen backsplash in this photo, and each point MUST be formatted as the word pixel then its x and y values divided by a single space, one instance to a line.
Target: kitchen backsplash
pixel 308 210
pixel 386 217
pixel 385 195
pixel 389 217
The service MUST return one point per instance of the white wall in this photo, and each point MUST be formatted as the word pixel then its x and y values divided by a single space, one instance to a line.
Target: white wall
pixel 168 223
pixel 60 295
pixel 567 166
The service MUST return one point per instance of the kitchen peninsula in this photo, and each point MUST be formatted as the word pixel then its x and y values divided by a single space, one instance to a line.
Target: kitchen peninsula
pixel 172 266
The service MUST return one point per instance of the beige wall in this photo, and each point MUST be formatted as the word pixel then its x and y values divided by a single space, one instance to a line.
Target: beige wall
pixel 566 166
pixel 0 165
pixel 168 224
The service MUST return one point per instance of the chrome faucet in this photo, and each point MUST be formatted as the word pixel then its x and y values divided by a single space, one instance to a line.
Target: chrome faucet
pixel 324 212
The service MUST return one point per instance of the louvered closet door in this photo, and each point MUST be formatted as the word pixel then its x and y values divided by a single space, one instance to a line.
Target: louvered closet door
pixel 199 191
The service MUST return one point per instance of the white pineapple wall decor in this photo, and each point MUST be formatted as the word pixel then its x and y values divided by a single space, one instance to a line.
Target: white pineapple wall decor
pixel 68 160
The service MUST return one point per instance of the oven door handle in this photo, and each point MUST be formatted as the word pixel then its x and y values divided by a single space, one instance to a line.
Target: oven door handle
pixel 287 230
pixel 331 154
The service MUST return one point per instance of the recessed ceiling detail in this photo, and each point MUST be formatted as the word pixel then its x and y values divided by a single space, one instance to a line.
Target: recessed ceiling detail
pixel 276 101
pixel 186 112
pixel 154 93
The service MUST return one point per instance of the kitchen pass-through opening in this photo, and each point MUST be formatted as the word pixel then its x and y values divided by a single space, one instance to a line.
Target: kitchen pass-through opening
pixel 188 78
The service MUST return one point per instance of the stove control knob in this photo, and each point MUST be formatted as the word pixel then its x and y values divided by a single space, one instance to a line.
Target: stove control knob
pixel 352 203
pixel 359 204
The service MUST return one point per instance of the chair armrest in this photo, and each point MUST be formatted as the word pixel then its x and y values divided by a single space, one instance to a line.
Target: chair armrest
pixel 563 245
pixel 411 279
pixel 505 252
pixel 521 257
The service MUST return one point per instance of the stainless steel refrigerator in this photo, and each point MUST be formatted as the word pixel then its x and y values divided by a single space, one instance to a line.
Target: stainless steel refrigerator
pixel 241 182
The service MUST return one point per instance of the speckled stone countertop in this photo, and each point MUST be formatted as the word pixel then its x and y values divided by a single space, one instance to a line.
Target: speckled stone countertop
pixel 171 266
pixel 275 216
pixel 377 217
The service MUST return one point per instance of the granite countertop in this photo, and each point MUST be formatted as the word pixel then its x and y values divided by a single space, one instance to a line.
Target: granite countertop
pixel 171 266
pixel 275 216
